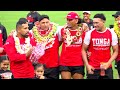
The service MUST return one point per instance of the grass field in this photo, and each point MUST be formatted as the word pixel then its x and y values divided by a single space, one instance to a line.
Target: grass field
pixel 9 19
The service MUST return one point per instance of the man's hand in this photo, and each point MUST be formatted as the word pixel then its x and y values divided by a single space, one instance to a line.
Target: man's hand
pixel 11 33
pixel 42 77
pixel 88 54
pixel 29 52
pixel 85 27
pixel 90 69
pixel 1 50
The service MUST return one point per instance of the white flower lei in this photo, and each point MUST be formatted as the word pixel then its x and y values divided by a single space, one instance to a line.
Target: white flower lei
pixel 69 38
pixel 17 44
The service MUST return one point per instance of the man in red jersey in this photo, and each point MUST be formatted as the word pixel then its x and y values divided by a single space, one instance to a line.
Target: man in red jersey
pixel 72 35
pixel 99 41
pixel 46 34
pixel 18 47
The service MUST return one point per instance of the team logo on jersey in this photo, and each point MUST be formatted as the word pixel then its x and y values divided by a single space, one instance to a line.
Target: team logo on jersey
pixel 101 42
pixel 0 31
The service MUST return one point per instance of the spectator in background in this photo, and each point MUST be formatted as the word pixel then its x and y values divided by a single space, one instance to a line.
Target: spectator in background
pixel 32 18
pixel 116 16
pixel 3 37
pixel 117 31
pixel 86 19
pixel 5 73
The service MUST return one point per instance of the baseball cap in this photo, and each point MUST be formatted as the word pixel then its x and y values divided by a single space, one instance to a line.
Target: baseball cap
pixel 72 15
pixel 116 14
pixel 87 12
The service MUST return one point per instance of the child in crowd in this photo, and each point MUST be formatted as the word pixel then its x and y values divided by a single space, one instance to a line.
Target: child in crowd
pixel 5 73
pixel 39 71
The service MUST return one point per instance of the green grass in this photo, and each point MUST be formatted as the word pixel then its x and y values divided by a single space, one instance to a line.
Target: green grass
pixel 9 19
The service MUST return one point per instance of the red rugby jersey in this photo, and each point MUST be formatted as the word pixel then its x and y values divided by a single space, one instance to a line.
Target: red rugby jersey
pixel 71 54
pixel 100 46
pixel 51 56
pixel 20 66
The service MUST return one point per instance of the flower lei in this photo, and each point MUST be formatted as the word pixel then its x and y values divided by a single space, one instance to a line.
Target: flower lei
pixel 71 39
pixel 117 29
pixel 46 40
pixel 17 44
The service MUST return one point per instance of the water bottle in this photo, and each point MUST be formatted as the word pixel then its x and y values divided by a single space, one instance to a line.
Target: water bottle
pixel 102 71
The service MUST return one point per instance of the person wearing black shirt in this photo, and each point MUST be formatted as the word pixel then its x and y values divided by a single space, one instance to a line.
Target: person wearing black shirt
pixel 5 73
pixel 32 18
pixel 86 19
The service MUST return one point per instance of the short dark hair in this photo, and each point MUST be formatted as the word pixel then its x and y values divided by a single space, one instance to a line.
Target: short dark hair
pixel 42 17
pixel 101 16
pixel 21 21
pixel 3 57
pixel 79 21
pixel 37 65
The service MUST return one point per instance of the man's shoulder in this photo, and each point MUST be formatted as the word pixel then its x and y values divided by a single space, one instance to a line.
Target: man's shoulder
pixel 10 39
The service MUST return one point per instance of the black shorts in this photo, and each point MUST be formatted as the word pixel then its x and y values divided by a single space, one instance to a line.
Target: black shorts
pixel 115 65
pixel 52 73
pixel 96 75
pixel 73 69
pixel 118 67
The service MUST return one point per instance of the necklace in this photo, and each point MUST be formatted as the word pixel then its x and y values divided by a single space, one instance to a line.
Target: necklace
pixel 48 39
pixel 46 32
pixel 71 39
pixel 17 44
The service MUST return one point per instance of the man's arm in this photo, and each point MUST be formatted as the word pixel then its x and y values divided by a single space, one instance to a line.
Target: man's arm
pixel 114 50
pixel 85 46
pixel 11 52
pixel 84 53
pixel 114 47
pixel 114 55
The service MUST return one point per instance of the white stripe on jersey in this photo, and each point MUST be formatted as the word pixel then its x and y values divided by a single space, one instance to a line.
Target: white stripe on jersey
pixel 59 32
pixel 114 37
pixel 88 36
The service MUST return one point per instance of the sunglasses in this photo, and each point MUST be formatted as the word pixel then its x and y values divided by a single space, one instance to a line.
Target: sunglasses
pixel 69 19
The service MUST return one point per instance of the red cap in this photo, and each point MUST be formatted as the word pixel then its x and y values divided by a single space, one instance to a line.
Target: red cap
pixel 72 15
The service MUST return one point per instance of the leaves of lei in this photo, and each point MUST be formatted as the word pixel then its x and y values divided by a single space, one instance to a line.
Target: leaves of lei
pixel 117 29
pixel 40 38
pixel 17 44
pixel 69 38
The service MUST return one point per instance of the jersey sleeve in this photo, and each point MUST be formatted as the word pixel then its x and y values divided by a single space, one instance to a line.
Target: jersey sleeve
pixel 114 38
pixel 87 37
